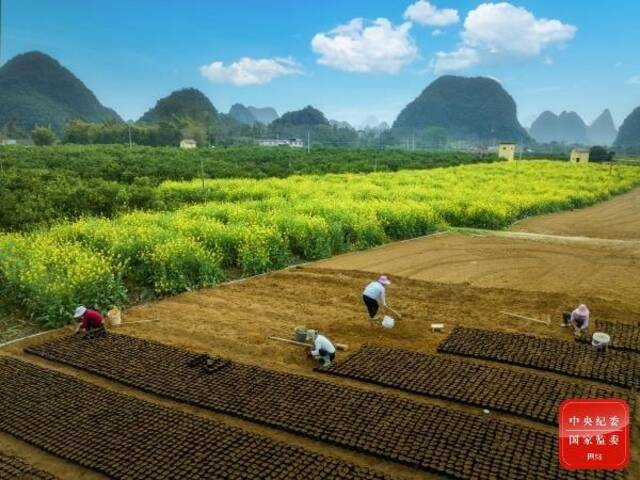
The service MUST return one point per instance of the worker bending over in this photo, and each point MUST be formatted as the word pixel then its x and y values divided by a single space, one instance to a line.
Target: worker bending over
pixel 580 319
pixel 374 294
pixel 90 321
pixel 323 350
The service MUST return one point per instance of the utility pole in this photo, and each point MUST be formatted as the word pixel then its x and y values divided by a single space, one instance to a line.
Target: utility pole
pixel 1 135
pixel 129 125
pixel 308 141
pixel 204 192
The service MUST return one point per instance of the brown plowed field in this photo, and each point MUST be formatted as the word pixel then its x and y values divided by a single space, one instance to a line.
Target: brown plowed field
pixel 609 270
pixel 618 218
pixel 455 279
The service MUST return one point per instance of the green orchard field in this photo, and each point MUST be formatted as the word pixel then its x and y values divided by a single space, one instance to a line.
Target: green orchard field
pixel 250 226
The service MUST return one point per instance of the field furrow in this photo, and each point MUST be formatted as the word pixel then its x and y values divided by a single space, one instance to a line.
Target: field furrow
pixel 15 468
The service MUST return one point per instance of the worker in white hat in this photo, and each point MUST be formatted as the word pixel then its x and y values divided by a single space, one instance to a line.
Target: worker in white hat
pixel 89 321
pixel 580 320
pixel 374 294
pixel 323 350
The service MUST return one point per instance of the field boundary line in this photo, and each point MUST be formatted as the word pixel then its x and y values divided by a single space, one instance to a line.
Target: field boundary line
pixel 546 236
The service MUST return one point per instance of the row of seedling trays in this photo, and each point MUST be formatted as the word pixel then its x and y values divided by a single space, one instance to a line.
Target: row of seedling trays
pixel 425 436
pixel 127 438
pixel 498 388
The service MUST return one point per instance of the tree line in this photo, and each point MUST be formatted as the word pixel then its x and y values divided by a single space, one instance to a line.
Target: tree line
pixel 40 186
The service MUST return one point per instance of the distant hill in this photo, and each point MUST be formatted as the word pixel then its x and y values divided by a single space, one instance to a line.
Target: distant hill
pixel 251 115
pixel 339 124
pixel 476 109
pixel 307 117
pixel 36 90
pixel 186 104
pixel 242 114
pixel 568 127
pixel 602 131
pixel 264 115
pixel 629 133
pixel 544 129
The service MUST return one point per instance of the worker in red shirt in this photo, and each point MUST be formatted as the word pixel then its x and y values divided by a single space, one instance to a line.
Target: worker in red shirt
pixel 91 322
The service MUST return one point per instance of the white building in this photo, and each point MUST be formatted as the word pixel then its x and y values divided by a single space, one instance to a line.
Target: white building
pixel 188 143
pixel 291 143
pixel 9 141
pixel 507 150
pixel 579 155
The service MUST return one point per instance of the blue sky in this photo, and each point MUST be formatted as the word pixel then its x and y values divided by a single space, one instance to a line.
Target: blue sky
pixel 552 55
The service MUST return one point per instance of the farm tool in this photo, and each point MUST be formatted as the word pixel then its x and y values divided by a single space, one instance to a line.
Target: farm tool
pixel 339 346
pixel 546 321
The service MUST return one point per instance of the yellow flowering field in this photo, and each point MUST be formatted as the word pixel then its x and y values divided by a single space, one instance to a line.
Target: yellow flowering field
pixel 244 226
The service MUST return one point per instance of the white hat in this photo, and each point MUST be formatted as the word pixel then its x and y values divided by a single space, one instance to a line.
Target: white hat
pixel 80 311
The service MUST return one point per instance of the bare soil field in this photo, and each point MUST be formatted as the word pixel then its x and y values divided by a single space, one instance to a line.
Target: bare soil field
pixel 453 279
pixel 618 218
pixel 608 271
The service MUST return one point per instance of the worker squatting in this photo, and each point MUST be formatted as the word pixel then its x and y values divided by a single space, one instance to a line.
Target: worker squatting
pixel 374 297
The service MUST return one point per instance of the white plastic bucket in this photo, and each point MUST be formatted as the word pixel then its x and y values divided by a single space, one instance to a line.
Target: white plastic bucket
pixel 600 341
pixel 388 322
pixel 114 317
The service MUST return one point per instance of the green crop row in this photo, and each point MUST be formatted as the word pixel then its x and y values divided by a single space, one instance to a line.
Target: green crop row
pixel 253 226
pixel 42 185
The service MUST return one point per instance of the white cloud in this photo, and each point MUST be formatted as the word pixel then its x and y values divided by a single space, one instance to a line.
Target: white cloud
pixel 460 59
pixel 437 32
pixel 356 47
pixel 635 80
pixel 502 31
pixel 425 13
pixel 250 71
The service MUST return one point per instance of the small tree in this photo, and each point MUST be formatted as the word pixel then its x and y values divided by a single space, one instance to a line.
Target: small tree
pixel 600 154
pixel 43 136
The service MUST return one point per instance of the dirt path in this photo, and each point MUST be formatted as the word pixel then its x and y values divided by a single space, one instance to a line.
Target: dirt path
pixel 617 218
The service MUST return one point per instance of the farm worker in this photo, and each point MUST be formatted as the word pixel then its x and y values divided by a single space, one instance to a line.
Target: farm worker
pixel 374 294
pixel 580 319
pixel 323 350
pixel 91 321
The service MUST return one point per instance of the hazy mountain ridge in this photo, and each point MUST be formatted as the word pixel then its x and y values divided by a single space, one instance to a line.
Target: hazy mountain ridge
pixel 251 115
pixel 570 128
pixel 629 133
pixel 602 130
pixel 264 115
